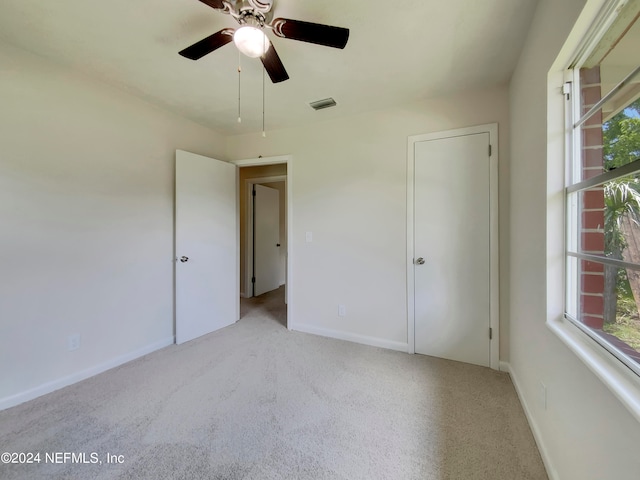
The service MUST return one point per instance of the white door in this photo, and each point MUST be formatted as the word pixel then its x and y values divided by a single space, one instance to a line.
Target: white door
pixel 207 292
pixel 452 228
pixel 266 214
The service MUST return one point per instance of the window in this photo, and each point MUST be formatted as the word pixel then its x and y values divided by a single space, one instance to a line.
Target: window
pixel 603 185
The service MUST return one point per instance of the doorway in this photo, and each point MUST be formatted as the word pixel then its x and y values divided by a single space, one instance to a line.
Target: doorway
pixel 255 207
pixel 207 242
pixel 274 173
pixel 452 251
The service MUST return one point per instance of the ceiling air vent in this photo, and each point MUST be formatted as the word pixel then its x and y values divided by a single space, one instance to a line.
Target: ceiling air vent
pixel 324 103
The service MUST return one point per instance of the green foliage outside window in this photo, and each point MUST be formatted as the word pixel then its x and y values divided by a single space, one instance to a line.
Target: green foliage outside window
pixel 621 135
pixel 621 146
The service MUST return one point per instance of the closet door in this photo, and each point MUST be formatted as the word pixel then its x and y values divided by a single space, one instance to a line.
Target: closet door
pixel 452 248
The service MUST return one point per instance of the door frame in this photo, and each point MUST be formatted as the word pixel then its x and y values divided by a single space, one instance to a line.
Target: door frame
pixel 494 264
pixel 248 254
pixel 288 160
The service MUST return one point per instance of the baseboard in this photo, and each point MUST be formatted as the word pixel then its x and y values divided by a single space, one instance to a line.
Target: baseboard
pixel 546 459
pixel 350 337
pixel 49 387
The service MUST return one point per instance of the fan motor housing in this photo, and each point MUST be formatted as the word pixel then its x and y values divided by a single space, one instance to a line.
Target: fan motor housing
pixel 263 6
pixel 247 10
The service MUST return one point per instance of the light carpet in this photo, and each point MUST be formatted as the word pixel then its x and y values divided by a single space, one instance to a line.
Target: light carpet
pixel 255 401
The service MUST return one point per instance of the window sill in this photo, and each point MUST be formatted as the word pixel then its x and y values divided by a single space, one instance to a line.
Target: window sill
pixel 622 382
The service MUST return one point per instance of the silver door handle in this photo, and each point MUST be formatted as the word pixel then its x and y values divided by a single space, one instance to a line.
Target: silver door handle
pixel 184 259
pixel 419 261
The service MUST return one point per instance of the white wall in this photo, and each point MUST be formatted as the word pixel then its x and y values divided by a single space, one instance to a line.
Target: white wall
pixel 86 212
pixel 585 432
pixel 349 190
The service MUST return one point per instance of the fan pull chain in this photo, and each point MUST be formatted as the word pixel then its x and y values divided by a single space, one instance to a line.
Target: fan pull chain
pixel 264 41
pixel 239 74
pixel 264 133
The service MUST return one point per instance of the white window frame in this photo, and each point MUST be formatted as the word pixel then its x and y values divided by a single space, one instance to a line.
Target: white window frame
pixel 573 216
pixel 595 18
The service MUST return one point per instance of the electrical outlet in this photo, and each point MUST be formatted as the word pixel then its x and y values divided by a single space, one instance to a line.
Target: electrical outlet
pixel 543 396
pixel 342 311
pixel 309 237
pixel 73 342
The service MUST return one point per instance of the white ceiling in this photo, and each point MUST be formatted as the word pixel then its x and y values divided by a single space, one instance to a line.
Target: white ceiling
pixel 398 51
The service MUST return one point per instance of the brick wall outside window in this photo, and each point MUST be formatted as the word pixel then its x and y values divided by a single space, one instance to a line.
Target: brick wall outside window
pixel 592 221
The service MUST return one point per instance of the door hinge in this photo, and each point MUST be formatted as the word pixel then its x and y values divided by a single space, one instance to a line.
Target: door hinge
pixel 566 90
pixel 253 279
pixel 490 333
pixel 489 150
pixel 254 192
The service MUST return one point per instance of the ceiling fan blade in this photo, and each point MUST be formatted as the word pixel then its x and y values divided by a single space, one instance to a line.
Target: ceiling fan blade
pixel 311 32
pixel 217 4
pixel 273 65
pixel 209 44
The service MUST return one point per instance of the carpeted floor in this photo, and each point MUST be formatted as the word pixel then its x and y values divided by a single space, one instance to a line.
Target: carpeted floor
pixel 255 401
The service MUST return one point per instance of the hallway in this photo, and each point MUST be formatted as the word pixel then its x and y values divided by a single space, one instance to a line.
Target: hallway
pixel 269 305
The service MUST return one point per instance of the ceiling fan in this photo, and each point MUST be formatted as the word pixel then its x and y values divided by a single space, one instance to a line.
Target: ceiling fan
pixel 253 16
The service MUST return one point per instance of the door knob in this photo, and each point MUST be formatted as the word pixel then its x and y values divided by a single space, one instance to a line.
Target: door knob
pixel 420 261
pixel 184 259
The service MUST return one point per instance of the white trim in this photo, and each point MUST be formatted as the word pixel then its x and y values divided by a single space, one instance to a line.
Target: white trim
pixel 494 241
pixel 54 385
pixel 248 227
pixel 411 311
pixel 584 27
pixel 256 162
pixel 350 337
pixel 542 448
pixel 237 252
pixel 494 322
pixel 288 159
pixel 607 15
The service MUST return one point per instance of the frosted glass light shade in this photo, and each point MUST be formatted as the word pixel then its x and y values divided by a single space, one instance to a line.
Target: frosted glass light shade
pixel 251 41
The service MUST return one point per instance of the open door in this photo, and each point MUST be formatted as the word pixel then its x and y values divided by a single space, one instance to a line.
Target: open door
pixel 207 292
pixel 266 243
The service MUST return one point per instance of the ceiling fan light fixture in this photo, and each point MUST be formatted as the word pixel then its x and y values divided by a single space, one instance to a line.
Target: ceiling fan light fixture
pixel 251 41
